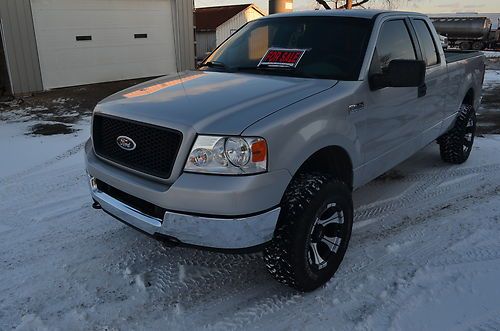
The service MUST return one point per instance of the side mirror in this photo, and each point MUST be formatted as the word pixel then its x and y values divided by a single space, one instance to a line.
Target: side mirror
pixel 400 73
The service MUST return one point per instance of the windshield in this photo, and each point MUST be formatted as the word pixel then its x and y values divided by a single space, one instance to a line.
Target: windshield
pixel 329 47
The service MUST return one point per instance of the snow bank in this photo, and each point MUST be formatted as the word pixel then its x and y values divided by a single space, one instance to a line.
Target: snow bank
pixel 492 54
pixel 491 81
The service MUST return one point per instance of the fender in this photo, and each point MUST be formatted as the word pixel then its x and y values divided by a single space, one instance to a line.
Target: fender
pixel 295 133
pixel 318 143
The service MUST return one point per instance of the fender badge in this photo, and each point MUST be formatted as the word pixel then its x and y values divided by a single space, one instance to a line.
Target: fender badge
pixel 356 107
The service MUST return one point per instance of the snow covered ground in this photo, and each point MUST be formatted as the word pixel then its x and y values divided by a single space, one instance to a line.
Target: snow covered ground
pixel 425 254
pixel 492 54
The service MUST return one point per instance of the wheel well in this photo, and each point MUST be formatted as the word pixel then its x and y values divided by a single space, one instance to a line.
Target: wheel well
pixel 469 98
pixel 333 160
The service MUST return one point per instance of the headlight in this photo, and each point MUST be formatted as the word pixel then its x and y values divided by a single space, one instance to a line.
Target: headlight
pixel 228 155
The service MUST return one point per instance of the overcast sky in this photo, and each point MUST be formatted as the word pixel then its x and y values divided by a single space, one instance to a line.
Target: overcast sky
pixel 426 6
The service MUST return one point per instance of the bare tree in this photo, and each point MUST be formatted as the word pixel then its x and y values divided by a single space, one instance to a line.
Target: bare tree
pixel 349 4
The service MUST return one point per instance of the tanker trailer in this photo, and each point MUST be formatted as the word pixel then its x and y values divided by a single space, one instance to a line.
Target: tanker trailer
pixel 465 32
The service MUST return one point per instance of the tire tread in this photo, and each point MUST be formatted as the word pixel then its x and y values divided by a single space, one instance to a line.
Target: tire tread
pixel 451 143
pixel 279 258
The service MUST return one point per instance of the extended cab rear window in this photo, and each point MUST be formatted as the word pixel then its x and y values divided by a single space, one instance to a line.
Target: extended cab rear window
pixel 333 47
pixel 426 41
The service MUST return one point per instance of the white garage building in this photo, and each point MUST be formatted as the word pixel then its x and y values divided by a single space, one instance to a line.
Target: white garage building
pixel 216 24
pixel 57 43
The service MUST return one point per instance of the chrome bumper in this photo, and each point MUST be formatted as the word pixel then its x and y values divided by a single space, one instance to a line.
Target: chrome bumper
pixel 219 233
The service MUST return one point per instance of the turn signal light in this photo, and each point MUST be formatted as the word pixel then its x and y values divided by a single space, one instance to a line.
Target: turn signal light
pixel 259 151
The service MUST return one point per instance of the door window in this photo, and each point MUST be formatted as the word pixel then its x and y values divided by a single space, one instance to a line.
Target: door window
pixel 429 50
pixel 394 43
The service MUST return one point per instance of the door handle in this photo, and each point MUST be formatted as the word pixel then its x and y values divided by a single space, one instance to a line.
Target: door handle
pixel 422 91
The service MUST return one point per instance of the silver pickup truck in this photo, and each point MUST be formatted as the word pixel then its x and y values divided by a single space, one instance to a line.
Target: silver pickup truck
pixel 263 145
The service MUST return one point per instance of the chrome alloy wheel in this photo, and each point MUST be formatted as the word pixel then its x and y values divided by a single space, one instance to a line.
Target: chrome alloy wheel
pixel 326 236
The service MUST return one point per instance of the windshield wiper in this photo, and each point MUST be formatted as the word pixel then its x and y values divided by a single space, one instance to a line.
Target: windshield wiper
pixel 281 70
pixel 215 64
pixel 266 67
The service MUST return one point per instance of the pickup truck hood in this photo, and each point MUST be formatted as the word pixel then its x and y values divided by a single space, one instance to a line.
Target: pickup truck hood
pixel 210 102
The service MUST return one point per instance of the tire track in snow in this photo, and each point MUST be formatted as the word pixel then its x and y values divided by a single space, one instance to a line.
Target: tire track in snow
pixel 59 204
pixel 347 275
pixel 191 277
pixel 34 169
pixel 265 305
pixel 356 272
pixel 479 254
pixel 359 271
pixel 222 277
pixel 421 191
pixel 492 324
pixel 269 305
pixel 42 189
pixel 489 322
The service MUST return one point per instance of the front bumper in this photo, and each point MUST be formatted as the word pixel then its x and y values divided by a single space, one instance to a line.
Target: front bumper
pixel 218 233
pixel 196 194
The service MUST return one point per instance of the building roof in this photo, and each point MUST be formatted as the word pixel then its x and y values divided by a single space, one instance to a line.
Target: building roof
pixel 209 18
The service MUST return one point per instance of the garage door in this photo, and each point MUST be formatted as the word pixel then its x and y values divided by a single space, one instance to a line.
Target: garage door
pixel 82 42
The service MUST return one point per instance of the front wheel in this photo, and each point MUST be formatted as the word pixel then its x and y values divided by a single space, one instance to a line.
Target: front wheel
pixel 313 232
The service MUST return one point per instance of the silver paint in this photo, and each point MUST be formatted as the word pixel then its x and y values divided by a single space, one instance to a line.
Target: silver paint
pixel 296 116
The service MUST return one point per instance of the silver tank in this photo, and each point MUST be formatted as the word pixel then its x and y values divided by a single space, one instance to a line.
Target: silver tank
pixel 280 6
pixel 477 28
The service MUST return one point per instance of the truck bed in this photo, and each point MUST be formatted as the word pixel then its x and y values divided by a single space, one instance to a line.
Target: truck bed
pixel 458 55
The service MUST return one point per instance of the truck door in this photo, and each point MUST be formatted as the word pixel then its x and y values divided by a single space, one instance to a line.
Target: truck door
pixel 392 129
pixel 432 101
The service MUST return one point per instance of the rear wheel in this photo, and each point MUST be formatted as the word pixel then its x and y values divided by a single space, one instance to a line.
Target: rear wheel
pixel 477 46
pixel 313 232
pixel 465 46
pixel 456 145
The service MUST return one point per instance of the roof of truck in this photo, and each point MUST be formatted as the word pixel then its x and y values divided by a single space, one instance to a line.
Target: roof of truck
pixel 358 13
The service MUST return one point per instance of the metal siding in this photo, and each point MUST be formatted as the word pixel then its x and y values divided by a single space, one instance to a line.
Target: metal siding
pixel 20 46
pixel 183 12
pixel 236 22
pixel 205 42
pixel 22 53
pixel 224 30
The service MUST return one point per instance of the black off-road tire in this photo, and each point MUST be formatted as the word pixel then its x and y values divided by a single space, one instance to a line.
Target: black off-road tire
pixel 288 257
pixel 456 145
pixel 477 46
pixel 465 46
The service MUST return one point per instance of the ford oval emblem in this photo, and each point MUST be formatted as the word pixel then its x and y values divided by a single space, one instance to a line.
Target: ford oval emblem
pixel 126 143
